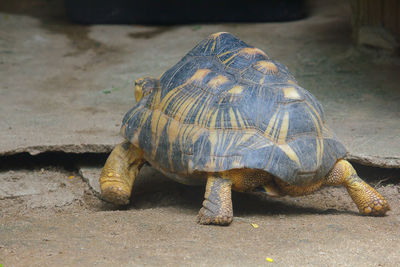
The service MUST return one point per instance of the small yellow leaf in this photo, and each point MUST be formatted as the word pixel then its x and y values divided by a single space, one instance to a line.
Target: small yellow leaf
pixel 269 259
pixel 71 177
pixel 255 225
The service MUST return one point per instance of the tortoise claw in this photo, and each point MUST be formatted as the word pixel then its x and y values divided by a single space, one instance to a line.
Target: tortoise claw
pixel 206 217
pixel 376 207
pixel 115 194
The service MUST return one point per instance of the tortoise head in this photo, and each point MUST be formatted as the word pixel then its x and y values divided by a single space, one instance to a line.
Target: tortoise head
pixel 144 86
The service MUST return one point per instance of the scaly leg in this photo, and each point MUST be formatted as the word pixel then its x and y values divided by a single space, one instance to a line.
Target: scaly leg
pixel 367 199
pixel 119 173
pixel 217 204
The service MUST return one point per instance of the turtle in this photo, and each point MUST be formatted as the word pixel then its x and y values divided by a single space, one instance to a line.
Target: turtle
pixel 228 116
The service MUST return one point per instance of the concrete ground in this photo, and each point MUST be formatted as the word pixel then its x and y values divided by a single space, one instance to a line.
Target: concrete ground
pixel 64 89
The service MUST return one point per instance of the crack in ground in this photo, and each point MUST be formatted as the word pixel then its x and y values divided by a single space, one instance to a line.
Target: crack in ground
pixel 74 161
pixel 63 160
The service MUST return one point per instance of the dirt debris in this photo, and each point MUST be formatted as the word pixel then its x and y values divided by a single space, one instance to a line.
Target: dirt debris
pixel 53 219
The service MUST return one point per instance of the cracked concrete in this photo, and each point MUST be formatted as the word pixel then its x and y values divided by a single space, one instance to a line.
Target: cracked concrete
pixel 48 188
pixel 66 87
pixel 53 220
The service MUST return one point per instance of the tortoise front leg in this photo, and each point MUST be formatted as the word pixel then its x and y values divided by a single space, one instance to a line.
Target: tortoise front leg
pixel 217 204
pixel 367 199
pixel 119 173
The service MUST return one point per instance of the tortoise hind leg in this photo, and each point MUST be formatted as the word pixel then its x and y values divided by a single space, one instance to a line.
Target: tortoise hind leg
pixel 217 204
pixel 119 173
pixel 367 199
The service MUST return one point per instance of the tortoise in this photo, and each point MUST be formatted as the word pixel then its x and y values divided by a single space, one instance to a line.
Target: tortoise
pixel 228 116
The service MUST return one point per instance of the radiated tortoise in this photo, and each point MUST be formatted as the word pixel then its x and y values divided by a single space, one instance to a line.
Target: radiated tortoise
pixel 229 116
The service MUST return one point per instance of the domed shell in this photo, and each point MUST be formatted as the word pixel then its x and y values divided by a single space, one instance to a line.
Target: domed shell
pixel 227 105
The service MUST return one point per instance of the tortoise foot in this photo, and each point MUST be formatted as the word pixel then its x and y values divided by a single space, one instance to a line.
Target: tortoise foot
pixel 377 207
pixel 115 193
pixel 217 204
pixel 206 216
pixel 368 200
pixel 119 173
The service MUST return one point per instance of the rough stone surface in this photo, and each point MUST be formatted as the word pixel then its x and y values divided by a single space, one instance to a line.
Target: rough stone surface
pixel 41 188
pixel 159 227
pixel 377 37
pixel 91 176
pixel 66 87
